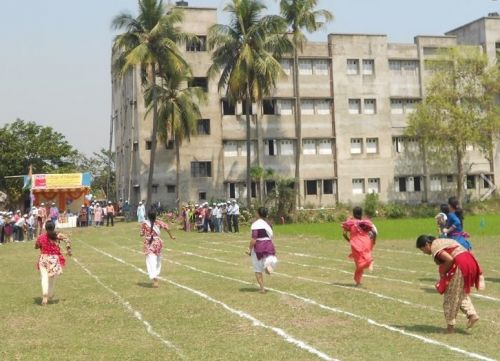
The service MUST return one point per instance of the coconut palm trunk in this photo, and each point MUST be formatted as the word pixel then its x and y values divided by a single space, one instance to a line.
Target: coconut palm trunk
pixel 247 118
pixel 298 126
pixel 154 132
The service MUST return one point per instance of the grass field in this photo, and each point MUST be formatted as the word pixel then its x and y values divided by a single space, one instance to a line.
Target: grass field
pixel 207 307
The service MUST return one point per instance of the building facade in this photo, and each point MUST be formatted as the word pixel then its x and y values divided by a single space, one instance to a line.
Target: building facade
pixel 356 93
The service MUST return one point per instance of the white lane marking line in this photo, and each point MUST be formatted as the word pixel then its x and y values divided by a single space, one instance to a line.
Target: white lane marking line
pixel 127 305
pixel 200 256
pixel 379 295
pixel 288 338
pixel 363 318
pixel 214 249
pixel 480 296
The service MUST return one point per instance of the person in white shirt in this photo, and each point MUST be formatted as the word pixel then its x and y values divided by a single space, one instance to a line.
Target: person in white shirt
pixel 235 213
pixel 229 217
pixel 19 229
pixel 219 218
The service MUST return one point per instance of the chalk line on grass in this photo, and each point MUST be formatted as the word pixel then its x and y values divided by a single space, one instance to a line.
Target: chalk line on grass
pixel 368 320
pixel 284 335
pixel 205 257
pixel 134 312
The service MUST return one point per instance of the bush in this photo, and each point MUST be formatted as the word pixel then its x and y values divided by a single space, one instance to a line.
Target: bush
pixel 371 204
pixel 394 210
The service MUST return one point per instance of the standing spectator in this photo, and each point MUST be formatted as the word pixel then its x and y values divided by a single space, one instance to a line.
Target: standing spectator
pixel 31 223
pixel 229 217
pixel 54 213
pixel 41 219
pixel 90 213
pixel 224 217
pixel 19 228
pixel 110 213
pixel 219 218
pixel 97 214
pixel 141 212
pixel 235 214
pixel 126 211
pixel 82 217
pixel 2 223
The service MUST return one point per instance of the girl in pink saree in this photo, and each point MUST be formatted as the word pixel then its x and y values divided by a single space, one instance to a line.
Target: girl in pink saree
pixel 361 235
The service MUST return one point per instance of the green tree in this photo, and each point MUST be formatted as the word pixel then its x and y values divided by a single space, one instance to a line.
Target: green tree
pixel 25 143
pixel 301 15
pixel 102 166
pixel 460 107
pixel 282 197
pixel 246 57
pixel 149 41
pixel 178 112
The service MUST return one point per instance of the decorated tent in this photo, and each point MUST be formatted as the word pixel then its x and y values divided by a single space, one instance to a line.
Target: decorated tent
pixel 66 190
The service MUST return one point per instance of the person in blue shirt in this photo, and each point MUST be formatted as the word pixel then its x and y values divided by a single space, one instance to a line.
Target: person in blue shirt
pixel 455 224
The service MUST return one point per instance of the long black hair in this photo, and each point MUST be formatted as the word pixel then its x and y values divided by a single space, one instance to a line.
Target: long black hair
pixel 152 219
pixel 453 203
pixel 50 228
pixel 423 240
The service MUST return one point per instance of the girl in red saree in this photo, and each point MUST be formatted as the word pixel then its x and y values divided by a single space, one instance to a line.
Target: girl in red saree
pixel 51 260
pixel 459 272
pixel 361 234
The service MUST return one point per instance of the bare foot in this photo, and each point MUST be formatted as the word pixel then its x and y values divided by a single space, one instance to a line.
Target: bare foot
pixel 450 329
pixel 263 290
pixel 472 320
pixel 45 300
pixel 269 270
pixel 156 284
pixel 370 267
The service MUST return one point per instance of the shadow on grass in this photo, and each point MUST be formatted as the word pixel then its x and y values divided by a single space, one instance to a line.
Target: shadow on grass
pixel 249 289
pixel 428 279
pixel 429 290
pixel 145 284
pixel 428 329
pixel 494 280
pixel 344 284
pixel 38 301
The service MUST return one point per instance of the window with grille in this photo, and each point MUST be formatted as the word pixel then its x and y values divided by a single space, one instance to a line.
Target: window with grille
pixel 305 67
pixel 368 66
pixel 354 106
pixel 311 187
pixel 285 107
pixel 200 82
pixel 358 186
pixel 201 169
pixel 286 147
pixel 352 66
pixel 322 107
pixel 356 145
pixel 203 126
pixel 308 147
pixel 228 108
pixel 327 186
pixel 230 149
pixel 286 64
pixel 371 145
pixel 373 185
pixel 325 146
pixel 170 188
pixel 435 183
pixel 307 107
pixel 320 67
pixel 198 44
pixel 370 106
pixel 270 146
pixel 149 144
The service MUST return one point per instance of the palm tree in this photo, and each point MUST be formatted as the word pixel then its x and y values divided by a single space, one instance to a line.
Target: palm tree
pixel 301 15
pixel 178 112
pixel 150 40
pixel 246 55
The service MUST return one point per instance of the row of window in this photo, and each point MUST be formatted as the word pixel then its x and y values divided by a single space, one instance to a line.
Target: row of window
pixel 398 106
pixel 359 186
pixel 437 183
pixel 357 146
pixel 314 187
pixel 367 67
pixel 307 66
pixel 274 147
pixel 280 107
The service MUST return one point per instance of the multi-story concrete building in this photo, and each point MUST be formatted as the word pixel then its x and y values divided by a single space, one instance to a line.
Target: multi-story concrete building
pixel 356 93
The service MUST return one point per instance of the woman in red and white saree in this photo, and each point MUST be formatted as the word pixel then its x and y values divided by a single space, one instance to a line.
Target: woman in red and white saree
pixel 51 260
pixel 459 272
pixel 153 244
pixel 361 235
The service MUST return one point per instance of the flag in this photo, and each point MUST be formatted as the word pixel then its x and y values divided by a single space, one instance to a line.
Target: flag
pixel 27 180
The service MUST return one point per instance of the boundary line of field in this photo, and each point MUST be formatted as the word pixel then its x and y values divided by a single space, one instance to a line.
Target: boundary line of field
pixel 133 311
pixel 255 322
pixel 338 310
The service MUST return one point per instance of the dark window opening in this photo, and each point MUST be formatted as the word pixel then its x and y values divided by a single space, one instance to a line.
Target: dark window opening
pixel 254 190
pixel 202 196
pixel 270 185
pixel 148 145
pixel 311 187
pixel 201 169
pixel 269 107
pixel 201 82
pixel 170 188
pixel 471 182
pixel 271 147
pixel 198 44
pixel 417 184
pixel 135 146
pixel 402 184
pixel 169 144
pixel 487 177
pixel 328 186
pixel 203 126
pixel 232 190
pixel 154 188
pixel 244 108
pixel 228 108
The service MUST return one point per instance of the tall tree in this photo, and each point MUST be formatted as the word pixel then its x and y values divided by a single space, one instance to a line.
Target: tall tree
pixel 246 55
pixel 178 113
pixel 301 15
pixel 150 40
pixel 460 108
pixel 25 143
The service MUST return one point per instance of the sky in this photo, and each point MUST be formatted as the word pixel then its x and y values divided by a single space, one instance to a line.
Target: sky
pixel 55 54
